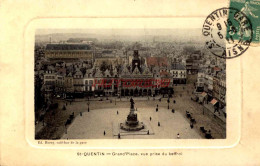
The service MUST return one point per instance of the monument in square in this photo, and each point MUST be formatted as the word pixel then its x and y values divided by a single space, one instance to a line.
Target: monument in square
pixel 132 123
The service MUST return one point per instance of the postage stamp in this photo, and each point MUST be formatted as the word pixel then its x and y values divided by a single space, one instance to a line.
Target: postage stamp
pixel 228 32
pixel 251 8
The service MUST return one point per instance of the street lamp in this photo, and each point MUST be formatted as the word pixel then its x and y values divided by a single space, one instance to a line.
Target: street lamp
pixel 168 101
pixel 88 106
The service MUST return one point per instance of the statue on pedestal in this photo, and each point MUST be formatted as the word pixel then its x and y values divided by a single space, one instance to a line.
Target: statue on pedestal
pixel 132 123
pixel 132 103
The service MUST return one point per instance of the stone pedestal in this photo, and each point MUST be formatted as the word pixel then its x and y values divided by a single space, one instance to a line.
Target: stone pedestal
pixel 132 123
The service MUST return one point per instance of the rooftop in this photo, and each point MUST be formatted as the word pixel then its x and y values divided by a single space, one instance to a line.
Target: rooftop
pixel 68 47
pixel 157 61
pixel 177 66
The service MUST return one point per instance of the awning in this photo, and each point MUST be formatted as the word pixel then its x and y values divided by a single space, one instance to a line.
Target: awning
pixel 203 94
pixel 213 101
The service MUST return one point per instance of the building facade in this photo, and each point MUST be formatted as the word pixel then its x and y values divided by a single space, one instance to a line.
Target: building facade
pixel 69 52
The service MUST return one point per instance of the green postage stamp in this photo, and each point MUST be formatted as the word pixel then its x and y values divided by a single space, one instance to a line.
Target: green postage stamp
pixel 230 31
pixel 251 8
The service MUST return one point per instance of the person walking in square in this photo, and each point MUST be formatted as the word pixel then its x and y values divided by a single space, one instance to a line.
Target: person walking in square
pixel 150 118
pixel 104 132
pixel 191 125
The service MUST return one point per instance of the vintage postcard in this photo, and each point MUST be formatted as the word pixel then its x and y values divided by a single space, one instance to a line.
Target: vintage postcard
pixel 135 85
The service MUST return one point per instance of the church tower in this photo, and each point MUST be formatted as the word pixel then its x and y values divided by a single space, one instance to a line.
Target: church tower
pixel 136 62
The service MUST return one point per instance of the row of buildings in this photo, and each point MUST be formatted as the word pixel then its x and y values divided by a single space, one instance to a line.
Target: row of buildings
pixel 122 77
pixel 211 87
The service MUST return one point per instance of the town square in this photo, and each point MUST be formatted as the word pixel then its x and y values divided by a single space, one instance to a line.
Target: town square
pixel 95 88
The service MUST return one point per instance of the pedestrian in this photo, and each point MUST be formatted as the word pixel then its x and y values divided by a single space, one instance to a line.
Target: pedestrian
pixel 148 132
pixel 173 110
pixel 174 101
pixel 80 113
pixel 178 136
pixel 117 112
pixel 191 125
pixel 156 109
pixel 159 124
pixel 150 118
pixel 118 135
pixel 104 132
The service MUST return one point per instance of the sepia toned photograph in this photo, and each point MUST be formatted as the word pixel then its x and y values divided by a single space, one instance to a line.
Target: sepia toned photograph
pixel 139 82
pixel 127 84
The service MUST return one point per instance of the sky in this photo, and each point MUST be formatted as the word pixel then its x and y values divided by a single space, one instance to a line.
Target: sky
pixel 124 32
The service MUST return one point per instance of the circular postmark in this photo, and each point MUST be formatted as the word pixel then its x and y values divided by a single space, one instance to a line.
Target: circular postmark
pixel 228 32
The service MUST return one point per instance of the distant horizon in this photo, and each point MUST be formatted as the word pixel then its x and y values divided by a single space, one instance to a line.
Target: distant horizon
pixel 127 32
pixel 176 34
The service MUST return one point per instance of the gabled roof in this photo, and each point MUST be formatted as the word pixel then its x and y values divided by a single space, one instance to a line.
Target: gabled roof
pixel 146 71
pixel 98 73
pixel 125 70
pixel 115 72
pixel 69 75
pixel 107 73
pixel 136 71
pixel 78 72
